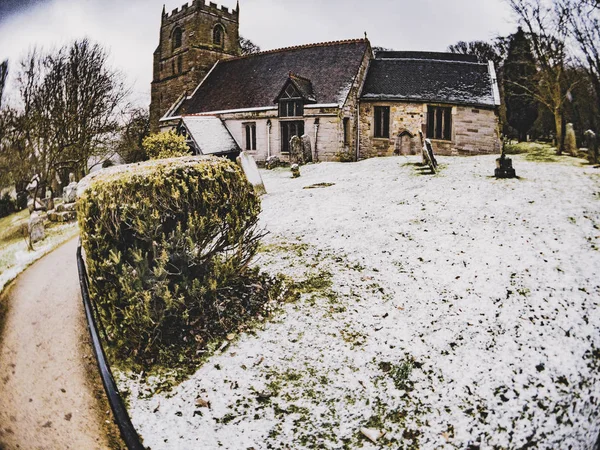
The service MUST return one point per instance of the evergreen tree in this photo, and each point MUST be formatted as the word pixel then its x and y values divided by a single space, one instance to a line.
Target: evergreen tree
pixel 519 75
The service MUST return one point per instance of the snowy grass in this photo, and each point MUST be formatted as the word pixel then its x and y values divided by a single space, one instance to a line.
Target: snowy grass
pixel 14 254
pixel 450 311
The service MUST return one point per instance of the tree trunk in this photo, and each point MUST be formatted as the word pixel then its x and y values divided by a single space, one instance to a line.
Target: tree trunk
pixel 558 126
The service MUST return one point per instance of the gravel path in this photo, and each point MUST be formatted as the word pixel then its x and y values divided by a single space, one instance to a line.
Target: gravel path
pixel 50 392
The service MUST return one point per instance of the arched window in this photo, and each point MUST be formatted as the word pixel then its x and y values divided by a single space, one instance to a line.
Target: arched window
pixel 218 35
pixel 177 36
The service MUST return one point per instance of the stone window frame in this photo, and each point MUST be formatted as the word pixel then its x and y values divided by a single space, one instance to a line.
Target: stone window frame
pixel 219 35
pixel 346 130
pixel 438 129
pixel 249 129
pixel 381 121
pixel 300 130
pixel 291 103
pixel 177 38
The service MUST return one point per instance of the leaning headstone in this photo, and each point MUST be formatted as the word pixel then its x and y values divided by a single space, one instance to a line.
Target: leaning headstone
pixel 296 151
pixel 592 146
pixel 36 227
pixel 272 162
pixel 248 165
pixel 295 171
pixel 307 149
pixel 570 140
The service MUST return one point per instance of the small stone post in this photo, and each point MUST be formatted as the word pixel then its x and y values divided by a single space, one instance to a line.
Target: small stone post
pixel 592 146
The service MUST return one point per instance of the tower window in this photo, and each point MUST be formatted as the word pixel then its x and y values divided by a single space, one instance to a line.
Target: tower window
pixel 177 37
pixel 218 35
pixel 179 64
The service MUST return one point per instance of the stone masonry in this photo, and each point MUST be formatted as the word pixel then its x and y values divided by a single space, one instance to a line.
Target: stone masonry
pixel 179 69
pixel 474 131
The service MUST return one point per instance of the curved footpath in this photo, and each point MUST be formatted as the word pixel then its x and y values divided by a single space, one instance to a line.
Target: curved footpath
pixel 50 391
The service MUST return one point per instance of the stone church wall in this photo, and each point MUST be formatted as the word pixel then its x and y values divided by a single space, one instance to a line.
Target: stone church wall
pixel 474 131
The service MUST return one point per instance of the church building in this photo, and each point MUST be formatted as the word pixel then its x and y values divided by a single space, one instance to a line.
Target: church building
pixel 350 103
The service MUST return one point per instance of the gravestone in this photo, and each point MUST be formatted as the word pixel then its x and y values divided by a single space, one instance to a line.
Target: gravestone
pixel 307 149
pixel 504 168
pixel 272 162
pixel 296 151
pixel 36 227
pixel 570 140
pixel 70 191
pixel 295 171
pixel 250 169
pixel 592 146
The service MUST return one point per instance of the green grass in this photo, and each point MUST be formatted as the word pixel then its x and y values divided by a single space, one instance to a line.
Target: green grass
pixel 535 152
pixel 12 228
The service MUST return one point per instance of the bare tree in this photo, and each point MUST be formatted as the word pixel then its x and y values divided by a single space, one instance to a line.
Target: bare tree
pixel 484 51
pixel 71 102
pixel 248 47
pixel 132 134
pixel 583 22
pixel 548 39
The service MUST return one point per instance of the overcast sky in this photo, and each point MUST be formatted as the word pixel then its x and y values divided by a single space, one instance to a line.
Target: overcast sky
pixel 129 29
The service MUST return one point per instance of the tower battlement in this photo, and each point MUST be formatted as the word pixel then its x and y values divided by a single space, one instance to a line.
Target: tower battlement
pixel 201 5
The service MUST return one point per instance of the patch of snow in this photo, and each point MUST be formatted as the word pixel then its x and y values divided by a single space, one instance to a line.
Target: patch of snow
pixel 463 310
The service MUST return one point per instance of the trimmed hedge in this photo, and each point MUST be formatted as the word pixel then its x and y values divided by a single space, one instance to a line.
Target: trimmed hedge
pixel 168 245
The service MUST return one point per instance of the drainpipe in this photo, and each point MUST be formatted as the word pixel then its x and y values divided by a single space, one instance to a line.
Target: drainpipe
pixel 315 153
pixel 357 130
pixel 268 138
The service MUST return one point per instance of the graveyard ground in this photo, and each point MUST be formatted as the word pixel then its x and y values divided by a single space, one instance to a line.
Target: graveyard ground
pixel 448 311
pixel 14 254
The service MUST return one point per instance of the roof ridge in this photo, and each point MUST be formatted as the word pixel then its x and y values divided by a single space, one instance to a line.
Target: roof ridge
pixel 298 47
pixel 432 59
pixel 295 75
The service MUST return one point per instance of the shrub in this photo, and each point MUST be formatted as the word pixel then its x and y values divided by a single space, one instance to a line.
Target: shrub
pixel 165 145
pixel 168 245
pixel 7 205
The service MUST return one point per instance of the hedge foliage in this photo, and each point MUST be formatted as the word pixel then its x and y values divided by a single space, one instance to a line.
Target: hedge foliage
pixel 168 245
pixel 165 145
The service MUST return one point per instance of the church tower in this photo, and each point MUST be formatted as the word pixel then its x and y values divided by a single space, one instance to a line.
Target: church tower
pixel 192 39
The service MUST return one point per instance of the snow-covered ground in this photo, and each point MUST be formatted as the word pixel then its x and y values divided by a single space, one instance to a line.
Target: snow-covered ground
pixel 450 311
pixel 16 257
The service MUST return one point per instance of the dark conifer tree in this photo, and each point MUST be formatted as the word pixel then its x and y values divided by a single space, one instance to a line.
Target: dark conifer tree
pixel 519 76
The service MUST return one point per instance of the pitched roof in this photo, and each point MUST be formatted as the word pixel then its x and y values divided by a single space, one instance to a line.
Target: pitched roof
pixel 210 135
pixel 442 56
pixel 422 79
pixel 304 87
pixel 254 81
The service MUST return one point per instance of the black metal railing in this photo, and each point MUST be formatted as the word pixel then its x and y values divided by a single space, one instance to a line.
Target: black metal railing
pixel 128 432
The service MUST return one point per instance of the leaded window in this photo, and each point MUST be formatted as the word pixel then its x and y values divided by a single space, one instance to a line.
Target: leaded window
pixel 439 123
pixel 289 130
pixel 382 122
